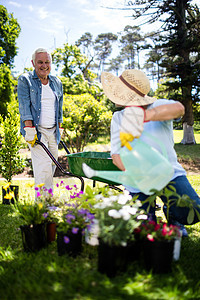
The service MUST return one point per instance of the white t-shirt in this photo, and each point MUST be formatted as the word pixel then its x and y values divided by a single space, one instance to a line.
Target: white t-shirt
pixel 162 130
pixel 48 111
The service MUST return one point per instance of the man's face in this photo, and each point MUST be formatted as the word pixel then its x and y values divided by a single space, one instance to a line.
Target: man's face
pixel 42 65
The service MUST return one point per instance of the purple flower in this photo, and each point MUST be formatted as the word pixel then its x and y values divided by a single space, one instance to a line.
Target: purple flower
pixel 50 191
pixel 90 216
pixel 38 194
pixel 78 195
pixel 66 240
pixel 62 182
pixel 52 207
pixel 70 217
pixel 57 184
pixel 68 187
pixel 45 215
pixel 82 211
pixel 36 188
pixel 75 230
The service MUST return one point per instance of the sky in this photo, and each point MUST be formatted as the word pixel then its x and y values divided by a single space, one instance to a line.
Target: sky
pixel 51 23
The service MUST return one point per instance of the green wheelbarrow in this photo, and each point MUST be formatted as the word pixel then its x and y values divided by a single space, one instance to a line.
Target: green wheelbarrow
pixel 96 160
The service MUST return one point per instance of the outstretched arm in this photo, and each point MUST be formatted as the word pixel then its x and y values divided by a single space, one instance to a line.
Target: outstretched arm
pixel 165 112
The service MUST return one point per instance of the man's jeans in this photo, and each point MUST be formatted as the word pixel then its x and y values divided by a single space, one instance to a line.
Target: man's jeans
pixel 43 167
pixel 180 214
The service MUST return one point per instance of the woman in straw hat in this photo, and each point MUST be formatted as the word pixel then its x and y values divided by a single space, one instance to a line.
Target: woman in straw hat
pixel 142 112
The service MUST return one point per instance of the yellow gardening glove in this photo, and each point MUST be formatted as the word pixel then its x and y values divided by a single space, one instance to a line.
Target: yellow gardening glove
pixel 31 135
pixel 125 138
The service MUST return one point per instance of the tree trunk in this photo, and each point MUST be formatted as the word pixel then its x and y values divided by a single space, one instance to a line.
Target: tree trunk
pixel 186 86
pixel 188 134
pixel 188 119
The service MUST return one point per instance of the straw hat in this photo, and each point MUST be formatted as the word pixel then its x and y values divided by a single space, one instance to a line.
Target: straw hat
pixel 129 89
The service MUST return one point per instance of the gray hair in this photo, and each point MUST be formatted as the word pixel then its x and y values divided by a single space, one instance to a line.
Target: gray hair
pixel 40 50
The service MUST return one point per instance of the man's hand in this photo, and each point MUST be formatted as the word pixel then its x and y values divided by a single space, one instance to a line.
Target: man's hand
pixel 61 131
pixel 131 125
pixel 31 135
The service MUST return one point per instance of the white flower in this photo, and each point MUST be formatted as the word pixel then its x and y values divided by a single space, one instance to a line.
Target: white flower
pixel 107 201
pixel 142 217
pixel 113 198
pixel 114 214
pixel 100 205
pixel 124 214
pixel 123 199
pixel 131 210
pixel 98 197
pixel 123 244
pixel 126 193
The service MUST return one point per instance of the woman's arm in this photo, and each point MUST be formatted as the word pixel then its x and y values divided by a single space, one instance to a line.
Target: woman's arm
pixel 118 162
pixel 165 112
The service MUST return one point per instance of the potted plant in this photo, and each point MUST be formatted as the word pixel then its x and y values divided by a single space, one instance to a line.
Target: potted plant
pixel 73 224
pixel 10 161
pixel 158 244
pixel 33 228
pixel 118 215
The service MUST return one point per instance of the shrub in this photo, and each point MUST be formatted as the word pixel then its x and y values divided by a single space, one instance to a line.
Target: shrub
pixel 84 119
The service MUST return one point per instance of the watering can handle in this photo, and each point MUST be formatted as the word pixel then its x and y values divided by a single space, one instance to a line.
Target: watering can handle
pixel 157 141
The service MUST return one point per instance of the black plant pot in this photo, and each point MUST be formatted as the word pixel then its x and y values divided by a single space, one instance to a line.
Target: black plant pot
pixel 113 259
pixel 73 247
pixel 158 256
pixel 12 188
pixel 33 237
pixel 51 232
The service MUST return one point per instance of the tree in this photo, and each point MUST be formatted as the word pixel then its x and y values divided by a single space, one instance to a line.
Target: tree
pixel 181 44
pixel 103 46
pixel 131 40
pixel 9 32
pixel 115 64
pixel 6 88
pixel 71 61
pixel 155 55
pixel 86 43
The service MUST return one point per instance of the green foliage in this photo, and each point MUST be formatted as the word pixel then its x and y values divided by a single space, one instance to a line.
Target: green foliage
pixel 63 277
pixel 10 161
pixel 30 213
pixel 6 88
pixel 84 119
pixel 165 91
pixel 172 198
pixel 71 62
pixel 9 32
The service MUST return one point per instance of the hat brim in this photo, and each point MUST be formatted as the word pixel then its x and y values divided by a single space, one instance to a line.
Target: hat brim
pixel 120 94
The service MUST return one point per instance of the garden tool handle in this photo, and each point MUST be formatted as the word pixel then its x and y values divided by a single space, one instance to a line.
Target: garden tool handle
pixel 65 147
pixel 59 165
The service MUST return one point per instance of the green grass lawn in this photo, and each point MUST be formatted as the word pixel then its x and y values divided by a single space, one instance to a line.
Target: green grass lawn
pixel 45 275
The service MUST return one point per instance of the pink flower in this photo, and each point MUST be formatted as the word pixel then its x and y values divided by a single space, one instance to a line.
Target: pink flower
pixel 150 237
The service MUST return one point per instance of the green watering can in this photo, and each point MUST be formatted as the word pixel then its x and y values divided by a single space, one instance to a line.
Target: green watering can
pixel 146 168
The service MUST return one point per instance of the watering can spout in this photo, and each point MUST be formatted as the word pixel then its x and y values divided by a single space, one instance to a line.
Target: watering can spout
pixel 120 177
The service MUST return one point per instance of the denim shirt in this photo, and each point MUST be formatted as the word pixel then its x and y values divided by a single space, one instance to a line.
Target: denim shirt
pixel 29 96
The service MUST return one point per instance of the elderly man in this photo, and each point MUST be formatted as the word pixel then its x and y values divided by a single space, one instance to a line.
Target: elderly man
pixel 40 97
